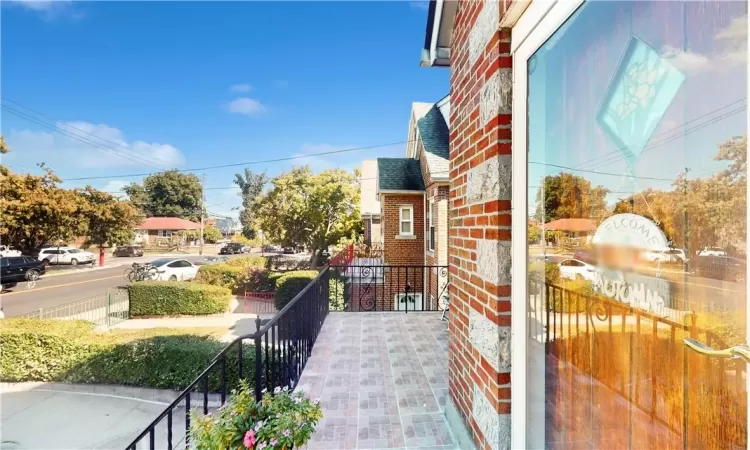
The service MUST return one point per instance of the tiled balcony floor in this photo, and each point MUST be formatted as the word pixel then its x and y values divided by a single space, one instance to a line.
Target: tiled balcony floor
pixel 382 379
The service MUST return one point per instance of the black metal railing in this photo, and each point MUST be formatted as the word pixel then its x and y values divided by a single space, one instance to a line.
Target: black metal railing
pixel 390 288
pixel 275 355
pixel 622 351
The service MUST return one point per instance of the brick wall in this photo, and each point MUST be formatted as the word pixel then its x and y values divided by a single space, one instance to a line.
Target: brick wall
pixel 479 222
pixel 398 251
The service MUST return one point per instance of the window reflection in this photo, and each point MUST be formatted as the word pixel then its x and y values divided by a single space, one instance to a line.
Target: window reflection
pixel 637 230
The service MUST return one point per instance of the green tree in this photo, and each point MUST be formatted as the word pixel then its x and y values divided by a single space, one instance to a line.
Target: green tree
pixel 567 196
pixel 3 146
pixel 312 210
pixel 109 221
pixel 36 211
pixel 168 194
pixel 212 234
pixel 251 187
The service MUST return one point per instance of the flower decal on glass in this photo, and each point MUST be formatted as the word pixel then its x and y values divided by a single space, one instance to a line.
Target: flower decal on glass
pixel 638 97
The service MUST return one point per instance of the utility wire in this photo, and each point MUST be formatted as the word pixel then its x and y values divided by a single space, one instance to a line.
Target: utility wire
pixel 76 137
pixel 247 163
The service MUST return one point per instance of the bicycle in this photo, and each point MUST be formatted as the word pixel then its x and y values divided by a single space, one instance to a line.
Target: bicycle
pixel 141 272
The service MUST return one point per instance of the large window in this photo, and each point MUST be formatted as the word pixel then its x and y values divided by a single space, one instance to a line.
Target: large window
pixel 406 220
pixel 637 226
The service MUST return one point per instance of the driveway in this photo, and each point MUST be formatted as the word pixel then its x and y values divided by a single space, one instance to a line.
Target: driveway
pixel 58 416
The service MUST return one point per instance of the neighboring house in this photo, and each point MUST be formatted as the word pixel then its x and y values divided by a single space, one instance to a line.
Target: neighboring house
pixel 369 204
pixel 413 191
pixel 163 230
pixel 579 230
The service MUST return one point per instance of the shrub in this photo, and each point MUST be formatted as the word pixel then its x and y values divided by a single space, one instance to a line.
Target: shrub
pixel 573 298
pixel 258 280
pixel 156 298
pixel 551 271
pixel 73 352
pixel 224 275
pixel 290 284
pixel 255 262
pixel 279 422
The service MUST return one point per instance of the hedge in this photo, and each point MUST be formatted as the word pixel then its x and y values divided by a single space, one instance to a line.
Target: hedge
pixel 73 352
pixel 156 298
pixel 258 280
pixel 224 275
pixel 255 262
pixel 290 284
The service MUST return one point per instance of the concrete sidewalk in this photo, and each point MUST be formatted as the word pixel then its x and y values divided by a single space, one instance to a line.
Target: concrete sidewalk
pixel 236 324
pixel 64 416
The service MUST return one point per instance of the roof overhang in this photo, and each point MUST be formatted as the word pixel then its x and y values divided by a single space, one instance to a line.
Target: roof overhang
pixel 437 41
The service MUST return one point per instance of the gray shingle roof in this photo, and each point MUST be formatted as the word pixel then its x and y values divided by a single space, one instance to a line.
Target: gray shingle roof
pixel 435 137
pixel 399 174
pixel 434 133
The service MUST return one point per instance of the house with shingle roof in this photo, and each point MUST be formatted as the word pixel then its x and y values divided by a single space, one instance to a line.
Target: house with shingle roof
pixel 413 191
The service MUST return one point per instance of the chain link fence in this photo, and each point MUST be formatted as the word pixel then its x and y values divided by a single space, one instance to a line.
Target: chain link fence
pixel 105 309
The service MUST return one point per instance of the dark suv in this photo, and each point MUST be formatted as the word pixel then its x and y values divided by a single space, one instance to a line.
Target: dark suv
pixel 128 250
pixel 233 248
pixel 16 269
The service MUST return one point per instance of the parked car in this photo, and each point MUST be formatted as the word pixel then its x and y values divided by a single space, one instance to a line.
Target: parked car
pixel 16 269
pixel 128 251
pixel 720 268
pixel 65 255
pixel 211 260
pixel 170 269
pixel 232 248
pixel 574 269
pixel 712 251
pixel 289 250
pixel 246 249
pixel 7 251
pixel 584 255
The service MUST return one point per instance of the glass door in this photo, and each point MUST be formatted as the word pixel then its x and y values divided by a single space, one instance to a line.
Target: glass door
pixel 637 228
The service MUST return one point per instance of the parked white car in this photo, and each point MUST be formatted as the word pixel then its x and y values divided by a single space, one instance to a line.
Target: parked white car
pixel 712 251
pixel 7 252
pixel 169 269
pixel 66 255
pixel 574 269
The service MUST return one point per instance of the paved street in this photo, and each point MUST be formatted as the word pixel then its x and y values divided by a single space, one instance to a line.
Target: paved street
pixel 52 290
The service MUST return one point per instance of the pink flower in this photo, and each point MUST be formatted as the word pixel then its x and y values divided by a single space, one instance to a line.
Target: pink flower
pixel 286 433
pixel 249 440
pixel 273 442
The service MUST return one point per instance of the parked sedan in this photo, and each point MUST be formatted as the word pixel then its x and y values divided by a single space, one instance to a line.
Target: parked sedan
pixel 16 269
pixel 232 248
pixel 129 251
pixel 66 255
pixel 574 269
pixel 169 269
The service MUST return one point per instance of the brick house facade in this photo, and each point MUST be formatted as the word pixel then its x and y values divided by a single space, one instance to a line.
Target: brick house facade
pixel 468 37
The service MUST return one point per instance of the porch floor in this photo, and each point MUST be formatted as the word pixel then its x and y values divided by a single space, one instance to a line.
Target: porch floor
pixel 382 379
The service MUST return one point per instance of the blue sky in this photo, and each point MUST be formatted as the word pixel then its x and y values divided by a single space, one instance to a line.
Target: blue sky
pixel 707 44
pixel 194 84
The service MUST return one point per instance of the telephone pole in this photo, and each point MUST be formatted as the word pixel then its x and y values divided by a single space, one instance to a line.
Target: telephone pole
pixel 203 202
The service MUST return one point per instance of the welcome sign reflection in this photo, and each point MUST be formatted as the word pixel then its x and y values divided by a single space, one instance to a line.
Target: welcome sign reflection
pixel 620 241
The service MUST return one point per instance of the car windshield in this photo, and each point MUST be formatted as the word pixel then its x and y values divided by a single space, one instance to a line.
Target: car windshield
pixel 161 261
pixel 74 250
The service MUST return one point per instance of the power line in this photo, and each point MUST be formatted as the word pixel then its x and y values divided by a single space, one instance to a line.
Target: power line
pixel 599 173
pixel 248 163
pixel 615 155
pixel 75 136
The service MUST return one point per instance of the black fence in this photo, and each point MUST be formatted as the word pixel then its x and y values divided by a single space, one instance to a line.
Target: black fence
pixel 275 355
pixel 390 288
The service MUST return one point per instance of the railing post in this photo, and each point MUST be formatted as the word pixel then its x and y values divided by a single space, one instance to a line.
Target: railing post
pixel 258 361
pixel 108 308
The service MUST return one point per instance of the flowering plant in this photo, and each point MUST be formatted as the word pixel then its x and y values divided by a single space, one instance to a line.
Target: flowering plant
pixel 281 421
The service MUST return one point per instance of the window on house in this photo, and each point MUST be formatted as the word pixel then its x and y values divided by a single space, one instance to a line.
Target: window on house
pixel 431 239
pixel 406 220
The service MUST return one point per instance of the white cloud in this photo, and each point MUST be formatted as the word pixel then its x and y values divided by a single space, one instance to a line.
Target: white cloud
pixel 115 186
pixel 281 84
pixel 247 106
pixel 92 147
pixel 241 88
pixel 50 9
pixel 732 40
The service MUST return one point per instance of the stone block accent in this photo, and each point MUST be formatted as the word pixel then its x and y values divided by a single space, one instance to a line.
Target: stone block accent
pixel 490 180
pixel 484 335
pixel 493 261
pixel 495 427
pixel 496 96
